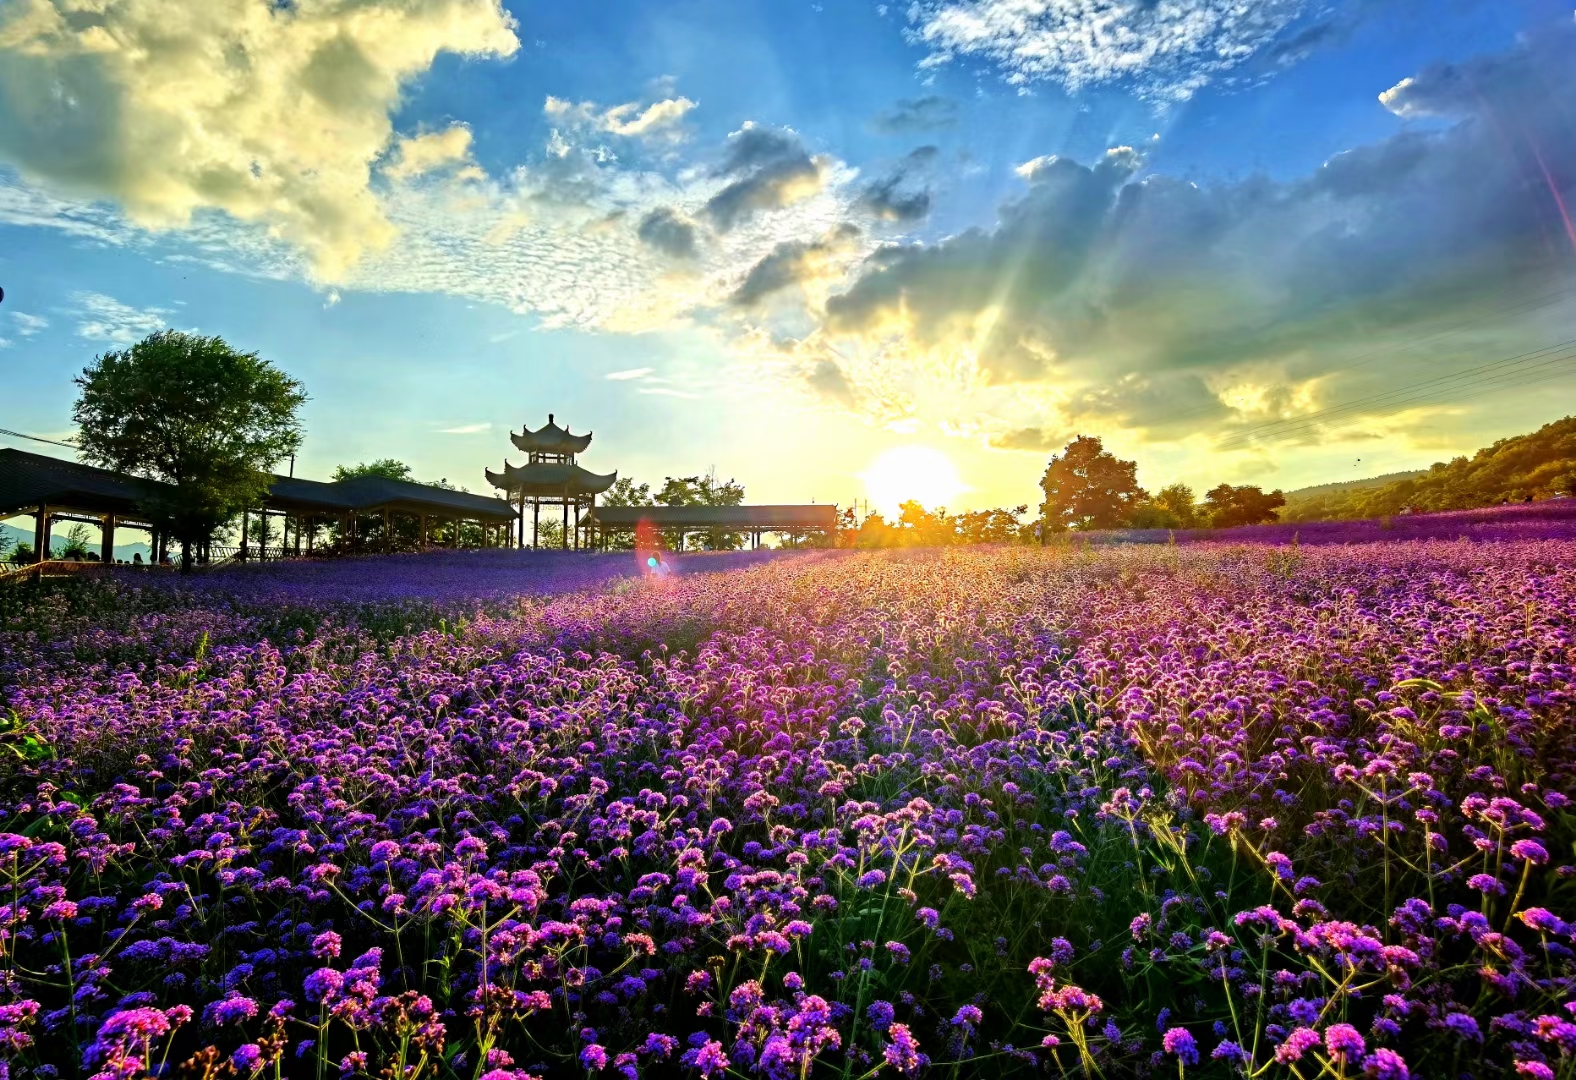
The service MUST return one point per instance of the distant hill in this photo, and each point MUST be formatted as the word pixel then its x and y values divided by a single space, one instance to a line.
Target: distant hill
pixel 1537 466
pixel 25 536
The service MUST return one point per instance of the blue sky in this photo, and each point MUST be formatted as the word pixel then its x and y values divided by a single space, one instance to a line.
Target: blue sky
pixel 802 236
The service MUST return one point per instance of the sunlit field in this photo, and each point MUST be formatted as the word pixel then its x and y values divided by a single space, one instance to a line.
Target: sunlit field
pixel 1284 809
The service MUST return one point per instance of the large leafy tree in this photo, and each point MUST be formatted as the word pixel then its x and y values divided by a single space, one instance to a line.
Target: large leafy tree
pixel 1088 487
pixel 196 413
pixel 1229 506
pixel 705 491
pixel 387 468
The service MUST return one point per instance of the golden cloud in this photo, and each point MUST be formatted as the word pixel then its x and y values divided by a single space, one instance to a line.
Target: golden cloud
pixel 270 113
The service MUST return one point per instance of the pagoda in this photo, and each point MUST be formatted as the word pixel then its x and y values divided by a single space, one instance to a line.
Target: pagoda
pixel 550 476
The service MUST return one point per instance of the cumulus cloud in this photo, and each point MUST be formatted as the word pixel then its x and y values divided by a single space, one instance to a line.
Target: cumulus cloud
pixel 104 318
pixel 795 262
pixel 901 195
pixel 271 113
pixel 911 116
pixel 659 119
pixel 1167 51
pixel 773 170
pixel 669 232
pixel 1113 296
pixel 826 379
pixel 432 151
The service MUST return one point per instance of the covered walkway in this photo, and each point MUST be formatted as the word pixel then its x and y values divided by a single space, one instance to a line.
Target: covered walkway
pixel 754 521
pixel 366 510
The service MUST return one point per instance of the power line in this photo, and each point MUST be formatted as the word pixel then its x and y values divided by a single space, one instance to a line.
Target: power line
pixel 1484 315
pixel 1482 375
pixel 37 438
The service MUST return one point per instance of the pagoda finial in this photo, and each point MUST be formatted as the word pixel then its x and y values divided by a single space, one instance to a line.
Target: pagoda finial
pixel 549 418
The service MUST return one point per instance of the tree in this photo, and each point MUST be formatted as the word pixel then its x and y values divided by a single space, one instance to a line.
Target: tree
pixel 1151 515
pixel 998 526
pixel 1230 506
pixel 625 492
pixel 195 413
pixel 705 491
pixel 1178 500
pixel 388 468
pixel 1087 487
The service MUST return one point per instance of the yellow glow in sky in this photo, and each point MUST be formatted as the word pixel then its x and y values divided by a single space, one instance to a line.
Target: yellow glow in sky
pixel 921 473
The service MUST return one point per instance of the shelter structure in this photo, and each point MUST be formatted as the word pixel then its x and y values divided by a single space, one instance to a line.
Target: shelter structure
pixel 551 477
pixel 53 490
pixel 788 520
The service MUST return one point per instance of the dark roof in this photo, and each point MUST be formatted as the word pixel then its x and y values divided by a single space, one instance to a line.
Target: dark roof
pixel 550 479
pixel 26 480
pixel 551 439
pixel 768 518
pixel 382 492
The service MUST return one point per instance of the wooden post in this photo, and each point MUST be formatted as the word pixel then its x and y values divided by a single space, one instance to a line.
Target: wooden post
pixel 41 534
pixel 107 540
pixel 388 537
pixel 536 524
pixel 246 518
pixel 424 530
pixel 563 538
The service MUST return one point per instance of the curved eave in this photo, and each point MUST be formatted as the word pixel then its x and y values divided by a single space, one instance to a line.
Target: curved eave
pixel 548 481
pixel 550 440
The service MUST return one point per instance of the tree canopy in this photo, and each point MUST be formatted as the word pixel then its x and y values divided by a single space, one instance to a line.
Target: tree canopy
pixel 1088 487
pixel 388 468
pixel 1229 506
pixel 196 413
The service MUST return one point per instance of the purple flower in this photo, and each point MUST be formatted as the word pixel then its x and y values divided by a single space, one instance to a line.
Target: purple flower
pixel 1179 1042
pixel 1343 1042
pixel 1386 1064
pixel 594 1057
pixel 1297 1043
pixel 880 1014
pixel 247 1058
pixel 232 1009
pixel 710 1059
pixel 1463 1025
pixel 902 1053
pixel 1530 850
pixel 326 945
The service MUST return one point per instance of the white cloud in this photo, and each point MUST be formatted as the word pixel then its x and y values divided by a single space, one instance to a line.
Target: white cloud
pixel 28 325
pixel 629 119
pixel 1167 50
pixel 432 151
pixel 632 373
pixel 663 391
pixel 103 318
pixel 271 113
pixel 466 429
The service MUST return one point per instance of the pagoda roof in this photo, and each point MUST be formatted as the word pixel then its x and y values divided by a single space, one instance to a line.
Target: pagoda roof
pixel 550 439
pixel 551 479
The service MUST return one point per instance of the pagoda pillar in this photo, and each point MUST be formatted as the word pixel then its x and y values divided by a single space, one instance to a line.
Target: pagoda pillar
pixel 107 540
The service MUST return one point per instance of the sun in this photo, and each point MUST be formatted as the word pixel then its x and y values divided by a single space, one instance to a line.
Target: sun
pixel 921 473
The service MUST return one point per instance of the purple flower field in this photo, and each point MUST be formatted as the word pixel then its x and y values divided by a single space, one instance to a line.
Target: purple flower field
pixel 1212 810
